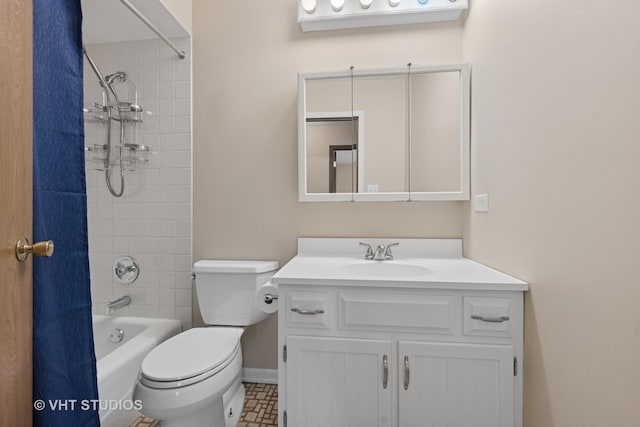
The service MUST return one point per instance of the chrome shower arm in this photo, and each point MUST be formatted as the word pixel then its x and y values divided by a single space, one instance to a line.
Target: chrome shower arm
pixel 106 84
pixel 97 72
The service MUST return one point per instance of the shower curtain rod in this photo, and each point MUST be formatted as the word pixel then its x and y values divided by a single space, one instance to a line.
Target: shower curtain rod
pixel 153 28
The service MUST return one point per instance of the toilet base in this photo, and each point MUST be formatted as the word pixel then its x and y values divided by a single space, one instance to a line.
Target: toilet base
pixel 211 416
pixel 230 405
pixel 233 401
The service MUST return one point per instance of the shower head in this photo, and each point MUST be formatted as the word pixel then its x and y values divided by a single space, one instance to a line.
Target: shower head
pixel 120 75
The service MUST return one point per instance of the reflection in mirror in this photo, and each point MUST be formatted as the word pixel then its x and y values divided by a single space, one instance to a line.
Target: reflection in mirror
pixel 414 144
pixel 435 132
pixel 383 100
pixel 343 167
pixel 331 142
pixel 330 122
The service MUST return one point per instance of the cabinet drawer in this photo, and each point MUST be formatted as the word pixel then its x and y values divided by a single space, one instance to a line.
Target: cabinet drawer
pixel 310 309
pixel 485 316
pixel 376 311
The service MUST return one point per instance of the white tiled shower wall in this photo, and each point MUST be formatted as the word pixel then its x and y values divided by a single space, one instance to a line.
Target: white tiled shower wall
pixel 152 220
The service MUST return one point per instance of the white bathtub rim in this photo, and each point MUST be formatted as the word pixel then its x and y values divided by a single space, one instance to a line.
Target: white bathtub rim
pixel 149 335
pixel 113 371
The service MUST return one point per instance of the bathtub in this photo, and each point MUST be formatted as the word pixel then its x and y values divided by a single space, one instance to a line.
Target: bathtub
pixel 118 364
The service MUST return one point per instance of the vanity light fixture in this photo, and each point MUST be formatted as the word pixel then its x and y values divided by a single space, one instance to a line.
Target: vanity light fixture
pixel 309 6
pixel 365 3
pixel 319 15
pixel 337 5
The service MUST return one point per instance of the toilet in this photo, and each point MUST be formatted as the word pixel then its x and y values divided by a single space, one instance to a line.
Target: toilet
pixel 194 379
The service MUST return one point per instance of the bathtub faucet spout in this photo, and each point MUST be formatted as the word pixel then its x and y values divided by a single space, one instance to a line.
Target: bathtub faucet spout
pixel 118 304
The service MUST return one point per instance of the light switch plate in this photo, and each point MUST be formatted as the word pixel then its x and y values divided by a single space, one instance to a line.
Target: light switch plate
pixel 481 202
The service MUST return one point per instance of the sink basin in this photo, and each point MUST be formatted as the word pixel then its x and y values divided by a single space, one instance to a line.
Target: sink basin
pixel 385 269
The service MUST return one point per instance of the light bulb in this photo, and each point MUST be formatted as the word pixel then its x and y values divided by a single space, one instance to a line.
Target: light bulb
pixel 423 1
pixel 337 5
pixel 309 6
pixel 365 3
pixel 394 3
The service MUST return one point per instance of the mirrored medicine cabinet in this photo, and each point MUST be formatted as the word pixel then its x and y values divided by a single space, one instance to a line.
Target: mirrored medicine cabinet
pixel 393 134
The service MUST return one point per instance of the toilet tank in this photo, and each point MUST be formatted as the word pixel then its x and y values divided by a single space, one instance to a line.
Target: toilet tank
pixel 226 290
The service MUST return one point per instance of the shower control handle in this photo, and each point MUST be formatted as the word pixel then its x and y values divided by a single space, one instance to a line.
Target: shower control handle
pixel 24 248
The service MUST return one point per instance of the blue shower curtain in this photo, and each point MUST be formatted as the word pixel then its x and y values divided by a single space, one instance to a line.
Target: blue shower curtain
pixel 64 364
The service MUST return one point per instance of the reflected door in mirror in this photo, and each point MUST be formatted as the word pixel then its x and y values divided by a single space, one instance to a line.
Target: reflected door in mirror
pixel 331 155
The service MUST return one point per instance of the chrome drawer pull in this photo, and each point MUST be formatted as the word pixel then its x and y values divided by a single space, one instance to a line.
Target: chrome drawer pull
pixel 406 372
pixel 490 319
pixel 385 375
pixel 307 312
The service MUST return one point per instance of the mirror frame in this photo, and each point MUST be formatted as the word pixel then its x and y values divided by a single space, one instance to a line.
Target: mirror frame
pixel 465 105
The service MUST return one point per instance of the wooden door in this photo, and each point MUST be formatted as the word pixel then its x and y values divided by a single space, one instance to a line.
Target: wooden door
pixel 461 385
pixel 338 382
pixel 16 130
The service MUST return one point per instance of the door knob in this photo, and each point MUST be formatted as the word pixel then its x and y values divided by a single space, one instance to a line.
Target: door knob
pixel 24 248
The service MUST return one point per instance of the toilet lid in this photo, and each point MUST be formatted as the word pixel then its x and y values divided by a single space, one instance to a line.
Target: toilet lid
pixel 191 353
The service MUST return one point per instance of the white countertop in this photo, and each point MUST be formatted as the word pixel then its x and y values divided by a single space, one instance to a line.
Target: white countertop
pixel 441 259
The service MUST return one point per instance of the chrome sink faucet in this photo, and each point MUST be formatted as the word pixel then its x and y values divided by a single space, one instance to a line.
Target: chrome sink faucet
pixel 381 252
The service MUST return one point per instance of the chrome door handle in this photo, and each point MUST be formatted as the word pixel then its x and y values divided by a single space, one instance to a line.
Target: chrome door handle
pixel 24 248
pixel 385 372
pixel 406 372
pixel 307 312
pixel 490 319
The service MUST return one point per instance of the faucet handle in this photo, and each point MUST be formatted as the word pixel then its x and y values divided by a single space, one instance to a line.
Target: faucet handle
pixel 369 254
pixel 388 255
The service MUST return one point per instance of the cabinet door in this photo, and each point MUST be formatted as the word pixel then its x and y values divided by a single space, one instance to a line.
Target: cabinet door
pixel 334 382
pixel 455 385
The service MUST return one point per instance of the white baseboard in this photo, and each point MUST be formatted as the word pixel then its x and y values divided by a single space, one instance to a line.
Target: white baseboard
pixel 264 376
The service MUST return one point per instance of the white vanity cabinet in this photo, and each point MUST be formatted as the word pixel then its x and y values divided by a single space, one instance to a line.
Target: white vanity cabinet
pixel 337 382
pixel 456 385
pixel 437 350
pixel 367 356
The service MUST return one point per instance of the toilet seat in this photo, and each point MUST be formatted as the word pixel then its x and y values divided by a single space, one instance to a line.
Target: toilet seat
pixel 190 357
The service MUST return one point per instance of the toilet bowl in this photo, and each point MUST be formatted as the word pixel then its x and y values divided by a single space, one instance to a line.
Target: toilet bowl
pixel 184 380
pixel 194 379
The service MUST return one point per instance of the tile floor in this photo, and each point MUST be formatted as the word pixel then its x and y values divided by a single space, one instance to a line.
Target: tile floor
pixel 145 422
pixel 260 408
